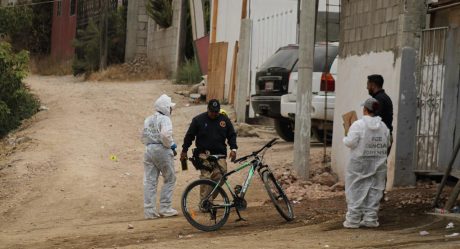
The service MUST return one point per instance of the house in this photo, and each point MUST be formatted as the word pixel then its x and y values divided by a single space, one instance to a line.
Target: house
pixel 64 28
pixel 383 37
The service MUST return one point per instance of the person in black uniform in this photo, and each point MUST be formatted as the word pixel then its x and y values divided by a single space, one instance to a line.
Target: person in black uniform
pixel 385 111
pixel 211 132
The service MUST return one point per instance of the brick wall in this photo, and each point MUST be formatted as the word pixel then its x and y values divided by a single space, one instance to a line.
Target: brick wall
pixel 145 38
pixel 141 33
pixel 369 26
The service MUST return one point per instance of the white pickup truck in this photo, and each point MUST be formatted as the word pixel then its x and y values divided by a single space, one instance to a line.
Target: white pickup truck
pixel 276 87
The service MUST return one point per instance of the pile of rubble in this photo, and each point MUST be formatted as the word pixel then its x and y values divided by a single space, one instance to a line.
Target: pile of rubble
pixel 196 93
pixel 141 65
pixel 417 197
pixel 322 184
pixel 137 69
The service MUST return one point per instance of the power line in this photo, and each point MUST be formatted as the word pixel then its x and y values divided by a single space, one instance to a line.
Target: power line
pixel 28 4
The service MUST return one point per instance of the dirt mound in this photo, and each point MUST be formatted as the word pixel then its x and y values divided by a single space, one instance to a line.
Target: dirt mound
pixel 136 70
pixel 246 130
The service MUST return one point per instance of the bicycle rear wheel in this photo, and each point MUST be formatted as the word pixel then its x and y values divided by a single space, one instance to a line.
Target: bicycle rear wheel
pixel 277 195
pixel 203 211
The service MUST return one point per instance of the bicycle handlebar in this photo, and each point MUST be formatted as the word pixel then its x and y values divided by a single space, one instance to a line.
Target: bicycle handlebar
pixel 253 154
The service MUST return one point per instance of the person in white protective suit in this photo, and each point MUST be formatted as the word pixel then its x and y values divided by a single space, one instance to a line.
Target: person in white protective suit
pixel 366 171
pixel 159 157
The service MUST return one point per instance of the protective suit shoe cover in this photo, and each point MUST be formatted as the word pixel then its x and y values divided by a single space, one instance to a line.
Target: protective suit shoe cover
pixel 168 213
pixel 151 215
pixel 347 224
pixel 370 223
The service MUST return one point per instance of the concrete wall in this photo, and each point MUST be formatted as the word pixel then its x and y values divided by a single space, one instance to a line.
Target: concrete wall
pixel 165 46
pixel 136 30
pixel 352 73
pixel 380 37
pixel 145 38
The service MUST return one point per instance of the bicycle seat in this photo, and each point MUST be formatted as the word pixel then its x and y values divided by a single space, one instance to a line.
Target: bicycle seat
pixel 216 157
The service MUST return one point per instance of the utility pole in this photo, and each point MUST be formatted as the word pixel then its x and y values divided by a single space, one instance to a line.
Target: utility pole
pixel 243 65
pixel 304 89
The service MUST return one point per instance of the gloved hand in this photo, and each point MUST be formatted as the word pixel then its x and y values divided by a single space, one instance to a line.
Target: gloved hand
pixel 173 146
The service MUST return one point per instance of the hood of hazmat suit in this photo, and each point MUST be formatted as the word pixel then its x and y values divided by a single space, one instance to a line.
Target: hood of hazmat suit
pixel 365 175
pixel 164 104
pixel 158 127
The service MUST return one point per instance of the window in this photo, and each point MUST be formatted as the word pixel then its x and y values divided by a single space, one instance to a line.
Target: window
pixel 283 58
pixel 59 7
pixel 73 5
pixel 320 58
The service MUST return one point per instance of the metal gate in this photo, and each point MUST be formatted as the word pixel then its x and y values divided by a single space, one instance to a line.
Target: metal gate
pixel 430 90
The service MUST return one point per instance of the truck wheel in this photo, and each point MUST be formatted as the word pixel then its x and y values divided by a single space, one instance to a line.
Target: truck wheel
pixel 285 129
pixel 319 134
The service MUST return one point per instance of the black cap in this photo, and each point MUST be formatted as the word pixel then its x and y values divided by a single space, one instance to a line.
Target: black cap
pixel 214 105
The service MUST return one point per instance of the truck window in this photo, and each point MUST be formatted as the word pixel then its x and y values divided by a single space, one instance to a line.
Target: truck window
pixel 283 58
pixel 320 58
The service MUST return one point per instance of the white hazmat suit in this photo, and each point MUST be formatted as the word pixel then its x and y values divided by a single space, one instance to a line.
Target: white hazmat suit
pixel 159 157
pixel 365 175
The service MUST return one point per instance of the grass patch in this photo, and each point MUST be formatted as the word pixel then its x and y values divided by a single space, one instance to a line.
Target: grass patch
pixel 50 66
pixel 189 73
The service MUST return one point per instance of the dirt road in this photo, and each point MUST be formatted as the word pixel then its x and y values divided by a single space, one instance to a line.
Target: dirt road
pixel 72 178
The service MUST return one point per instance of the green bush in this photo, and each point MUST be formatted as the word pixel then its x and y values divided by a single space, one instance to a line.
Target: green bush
pixel 189 73
pixel 87 44
pixel 16 102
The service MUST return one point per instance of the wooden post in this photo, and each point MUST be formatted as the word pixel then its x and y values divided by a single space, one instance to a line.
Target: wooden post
pixel 453 197
pixel 215 8
pixel 304 90
pixel 446 173
pixel 231 95
pixel 216 71
pixel 244 9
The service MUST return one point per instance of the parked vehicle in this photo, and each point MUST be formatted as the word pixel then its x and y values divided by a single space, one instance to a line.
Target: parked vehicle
pixel 276 90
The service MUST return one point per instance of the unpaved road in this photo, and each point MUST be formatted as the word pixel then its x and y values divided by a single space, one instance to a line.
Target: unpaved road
pixel 61 189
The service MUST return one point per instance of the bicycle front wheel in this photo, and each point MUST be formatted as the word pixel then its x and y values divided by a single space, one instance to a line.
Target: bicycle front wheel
pixel 277 195
pixel 203 210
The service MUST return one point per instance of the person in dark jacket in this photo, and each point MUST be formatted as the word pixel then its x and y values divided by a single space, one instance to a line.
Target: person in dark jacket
pixel 211 132
pixel 385 111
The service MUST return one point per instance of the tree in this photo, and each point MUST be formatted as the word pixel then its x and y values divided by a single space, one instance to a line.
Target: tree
pixel 161 12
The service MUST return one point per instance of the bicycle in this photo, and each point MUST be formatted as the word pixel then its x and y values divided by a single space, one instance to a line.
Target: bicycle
pixel 210 210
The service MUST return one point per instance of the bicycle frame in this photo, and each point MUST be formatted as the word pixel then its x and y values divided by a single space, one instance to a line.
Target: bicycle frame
pixel 253 164
pixel 257 162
